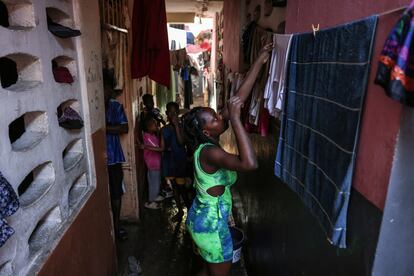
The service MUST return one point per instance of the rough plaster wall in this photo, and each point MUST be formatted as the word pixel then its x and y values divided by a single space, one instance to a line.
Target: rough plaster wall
pixel 395 247
pixel 50 210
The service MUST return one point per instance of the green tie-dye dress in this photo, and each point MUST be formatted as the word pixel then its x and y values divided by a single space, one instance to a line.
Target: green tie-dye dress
pixel 208 216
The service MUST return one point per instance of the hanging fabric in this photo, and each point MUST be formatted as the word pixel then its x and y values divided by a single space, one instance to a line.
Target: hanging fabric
pixel 275 86
pixel 396 66
pixel 326 82
pixel 9 204
pixel 150 50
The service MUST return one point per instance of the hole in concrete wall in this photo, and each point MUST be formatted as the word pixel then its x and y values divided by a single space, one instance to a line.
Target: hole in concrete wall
pixel 77 190
pixel 20 14
pixel 64 69
pixel 8 72
pixel 59 17
pixel 20 72
pixel 4 15
pixel 44 230
pixel 6 269
pixel 72 154
pixel 28 130
pixel 69 117
pixel 36 184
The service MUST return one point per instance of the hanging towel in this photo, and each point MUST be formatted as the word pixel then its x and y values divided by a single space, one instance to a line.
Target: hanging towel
pixel 275 85
pixel 326 83
pixel 150 51
pixel 396 66
pixel 9 204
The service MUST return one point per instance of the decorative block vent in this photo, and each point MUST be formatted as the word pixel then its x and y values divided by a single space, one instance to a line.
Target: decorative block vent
pixel 28 130
pixel 77 190
pixel 44 230
pixel 36 184
pixel 72 154
pixel 20 14
pixel 64 62
pixel 6 269
pixel 59 17
pixel 20 72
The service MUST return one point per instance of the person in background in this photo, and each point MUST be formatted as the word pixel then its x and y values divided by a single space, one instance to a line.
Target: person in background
pixel 174 158
pixel 155 113
pixel 116 125
pixel 152 156
pixel 216 170
pixel 149 109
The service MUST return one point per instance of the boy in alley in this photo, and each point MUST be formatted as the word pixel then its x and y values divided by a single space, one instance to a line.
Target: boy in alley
pixel 174 159
pixel 116 125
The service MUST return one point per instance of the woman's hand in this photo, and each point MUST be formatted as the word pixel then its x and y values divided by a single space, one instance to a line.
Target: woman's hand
pixel 234 106
pixel 264 53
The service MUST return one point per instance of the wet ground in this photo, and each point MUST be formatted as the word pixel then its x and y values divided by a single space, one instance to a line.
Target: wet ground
pixel 162 246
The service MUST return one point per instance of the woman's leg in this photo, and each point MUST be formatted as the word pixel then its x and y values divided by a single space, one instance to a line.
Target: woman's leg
pixel 220 269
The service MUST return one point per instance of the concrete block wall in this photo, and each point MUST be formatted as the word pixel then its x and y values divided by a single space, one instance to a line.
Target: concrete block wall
pixel 58 158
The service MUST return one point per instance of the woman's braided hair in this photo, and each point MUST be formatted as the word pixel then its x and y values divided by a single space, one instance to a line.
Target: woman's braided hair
pixel 193 129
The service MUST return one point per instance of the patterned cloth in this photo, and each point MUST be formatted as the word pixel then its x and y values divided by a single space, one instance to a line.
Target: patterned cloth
pixel 208 216
pixel 115 115
pixel 9 204
pixel 396 66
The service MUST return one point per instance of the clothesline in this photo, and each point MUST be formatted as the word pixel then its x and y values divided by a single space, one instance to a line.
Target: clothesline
pixel 379 15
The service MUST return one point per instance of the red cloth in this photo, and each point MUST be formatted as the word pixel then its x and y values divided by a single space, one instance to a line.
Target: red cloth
pixel 150 51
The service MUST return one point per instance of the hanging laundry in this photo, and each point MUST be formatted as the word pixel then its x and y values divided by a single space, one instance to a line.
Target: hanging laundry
pixel 275 86
pixel 60 30
pixel 178 59
pixel 247 40
pixel 120 54
pixel 260 38
pixel 396 66
pixel 150 51
pixel 188 87
pixel 9 204
pixel 326 83
pixel 179 37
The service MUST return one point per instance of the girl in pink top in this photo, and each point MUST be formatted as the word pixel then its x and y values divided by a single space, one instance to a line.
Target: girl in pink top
pixel 152 157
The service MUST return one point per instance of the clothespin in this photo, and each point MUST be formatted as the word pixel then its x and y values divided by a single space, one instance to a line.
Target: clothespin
pixel 315 29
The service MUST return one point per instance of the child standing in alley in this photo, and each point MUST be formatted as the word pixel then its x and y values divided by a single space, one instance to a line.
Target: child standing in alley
pixel 152 157
pixel 174 159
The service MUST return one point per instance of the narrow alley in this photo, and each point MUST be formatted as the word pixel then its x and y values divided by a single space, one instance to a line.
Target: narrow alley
pixel 206 137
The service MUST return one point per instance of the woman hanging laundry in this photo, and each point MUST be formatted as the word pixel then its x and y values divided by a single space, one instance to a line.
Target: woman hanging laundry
pixel 216 170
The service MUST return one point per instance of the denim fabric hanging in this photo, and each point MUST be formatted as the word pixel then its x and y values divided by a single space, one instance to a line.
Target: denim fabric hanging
pixel 9 204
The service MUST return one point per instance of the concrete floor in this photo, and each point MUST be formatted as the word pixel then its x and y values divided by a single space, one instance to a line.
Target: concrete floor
pixel 163 247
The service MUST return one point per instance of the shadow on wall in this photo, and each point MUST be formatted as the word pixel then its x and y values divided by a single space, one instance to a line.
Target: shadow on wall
pixel 283 238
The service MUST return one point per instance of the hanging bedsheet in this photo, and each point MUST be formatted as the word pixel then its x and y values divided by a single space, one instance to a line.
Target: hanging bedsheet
pixel 326 83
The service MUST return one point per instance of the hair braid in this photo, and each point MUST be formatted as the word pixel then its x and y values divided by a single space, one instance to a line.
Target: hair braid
pixel 193 129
